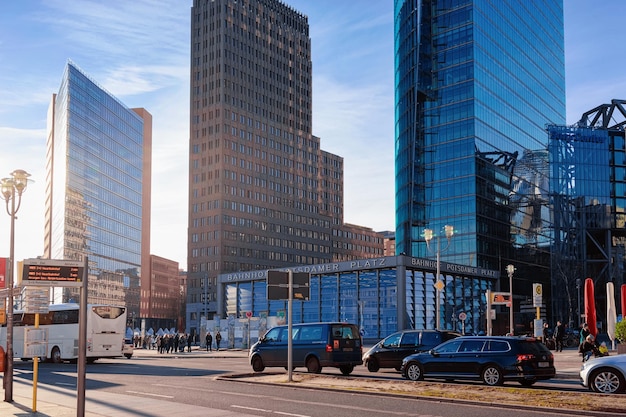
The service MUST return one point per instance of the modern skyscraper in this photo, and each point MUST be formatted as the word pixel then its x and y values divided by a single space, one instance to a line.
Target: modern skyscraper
pixel 476 83
pixel 97 206
pixel 262 194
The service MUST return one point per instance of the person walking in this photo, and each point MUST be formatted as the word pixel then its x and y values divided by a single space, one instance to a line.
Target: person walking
pixel 559 335
pixel 218 339
pixel 209 342
pixel 189 341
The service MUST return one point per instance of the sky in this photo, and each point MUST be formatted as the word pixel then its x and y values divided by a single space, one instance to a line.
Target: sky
pixel 139 52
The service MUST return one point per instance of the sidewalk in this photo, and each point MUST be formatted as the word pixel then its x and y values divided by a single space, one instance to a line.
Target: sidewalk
pixel 56 401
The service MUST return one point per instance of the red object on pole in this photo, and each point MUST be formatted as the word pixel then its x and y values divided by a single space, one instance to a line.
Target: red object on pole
pixel 623 298
pixel 590 306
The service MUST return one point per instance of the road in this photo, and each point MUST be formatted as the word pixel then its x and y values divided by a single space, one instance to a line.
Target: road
pixel 190 380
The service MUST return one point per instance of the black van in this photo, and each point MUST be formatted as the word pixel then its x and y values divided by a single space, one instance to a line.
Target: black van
pixel 315 345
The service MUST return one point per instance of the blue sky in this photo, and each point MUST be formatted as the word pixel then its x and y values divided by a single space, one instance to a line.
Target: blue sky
pixel 139 51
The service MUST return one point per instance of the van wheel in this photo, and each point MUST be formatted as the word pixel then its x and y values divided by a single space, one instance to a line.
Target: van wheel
pixel 372 365
pixel 257 364
pixel 346 369
pixel 55 355
pixel 313 365
pixel 128 355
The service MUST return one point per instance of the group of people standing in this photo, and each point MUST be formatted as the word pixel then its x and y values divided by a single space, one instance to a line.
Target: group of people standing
pixel 209 341
pixel 168 343
pixel 588 345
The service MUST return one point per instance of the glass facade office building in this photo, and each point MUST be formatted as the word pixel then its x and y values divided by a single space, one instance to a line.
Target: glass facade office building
pixel 381 295
pixel 476 82
pixel 94 200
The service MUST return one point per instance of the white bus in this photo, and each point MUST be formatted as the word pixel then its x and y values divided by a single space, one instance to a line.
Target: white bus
pixel 106 325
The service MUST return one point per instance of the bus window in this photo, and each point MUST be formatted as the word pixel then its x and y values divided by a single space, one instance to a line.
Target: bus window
pixel 108 312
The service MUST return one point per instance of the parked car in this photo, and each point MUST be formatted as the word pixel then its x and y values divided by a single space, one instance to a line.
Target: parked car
pixel 491 359
pixel 314 346
pixel 128 347
pixel 389 352
pixel 606 374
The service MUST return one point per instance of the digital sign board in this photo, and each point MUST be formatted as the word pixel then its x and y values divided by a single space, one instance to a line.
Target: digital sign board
pixel 50 270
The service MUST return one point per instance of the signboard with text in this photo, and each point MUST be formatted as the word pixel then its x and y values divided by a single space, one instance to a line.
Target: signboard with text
pixel 51 270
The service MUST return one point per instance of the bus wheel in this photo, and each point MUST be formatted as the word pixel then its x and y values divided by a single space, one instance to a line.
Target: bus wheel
pixel 55 356
pixel 91 360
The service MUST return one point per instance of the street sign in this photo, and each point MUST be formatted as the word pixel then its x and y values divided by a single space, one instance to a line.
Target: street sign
pixel 500 298
pixel 278 285
pixel 537 295
pixel 462 316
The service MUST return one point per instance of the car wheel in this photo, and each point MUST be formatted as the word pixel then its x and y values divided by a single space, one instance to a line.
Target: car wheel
pixel 372 365
pixel 128 355
pixel 607 381
pixel 414 371
pixel 492 375
pixel 313 365
pixel 257 364
pixel 528 382
pixel 55 355
pixel 346 369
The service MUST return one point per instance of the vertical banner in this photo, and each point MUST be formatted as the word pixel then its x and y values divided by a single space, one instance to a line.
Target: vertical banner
pixel 611 314
pixel 590 306
pixel 3 273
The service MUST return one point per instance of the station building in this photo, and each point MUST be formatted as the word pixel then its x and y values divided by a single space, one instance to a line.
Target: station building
pixel 382 295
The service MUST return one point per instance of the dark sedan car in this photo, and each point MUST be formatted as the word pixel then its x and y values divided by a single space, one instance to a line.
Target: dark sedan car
pixel 491 359
pixel 389 352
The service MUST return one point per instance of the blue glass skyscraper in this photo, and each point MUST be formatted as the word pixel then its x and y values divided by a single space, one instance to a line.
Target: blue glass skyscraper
pixel 476 82
pixel 95 206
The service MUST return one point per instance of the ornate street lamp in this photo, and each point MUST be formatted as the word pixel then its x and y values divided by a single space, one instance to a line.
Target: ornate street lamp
pixel 510 269
pixel 439 284
pixel 12 189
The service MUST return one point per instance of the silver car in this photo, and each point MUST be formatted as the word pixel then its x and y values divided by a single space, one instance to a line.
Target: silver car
pixel 606 374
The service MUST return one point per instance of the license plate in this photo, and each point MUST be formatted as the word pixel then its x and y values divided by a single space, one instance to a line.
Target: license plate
pixel 347 349
pixel 106 346
pixel 544 364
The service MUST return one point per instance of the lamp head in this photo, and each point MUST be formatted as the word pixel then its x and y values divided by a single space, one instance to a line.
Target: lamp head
pixel 6 187
pixel 449 230
pixel 510 269
pixel 428 234
pixel 20 180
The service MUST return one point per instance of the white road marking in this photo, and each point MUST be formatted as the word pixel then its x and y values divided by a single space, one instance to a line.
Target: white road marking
pixel 149 394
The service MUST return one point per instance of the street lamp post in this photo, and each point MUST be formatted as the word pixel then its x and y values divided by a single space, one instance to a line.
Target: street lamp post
pixel 439 284
pixel 510 269
pixel 12 189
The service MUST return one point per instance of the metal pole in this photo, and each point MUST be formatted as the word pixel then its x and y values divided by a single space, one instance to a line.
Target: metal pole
pixel 437 291
pixel 289 327
pixel 511 329
pixel 8 374
pixel 578 311
pixel 82 343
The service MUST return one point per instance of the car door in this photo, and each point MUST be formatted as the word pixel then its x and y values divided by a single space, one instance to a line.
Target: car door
pixel 465 363
pixel 440 360
pixel 389 350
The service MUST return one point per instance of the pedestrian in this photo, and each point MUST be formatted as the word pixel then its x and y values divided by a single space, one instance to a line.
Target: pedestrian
pixel 589 347
pixel 189 341
pixel 559 335
pixel 209 342
pixel 546 333
pixel 218 339
pixel 584 332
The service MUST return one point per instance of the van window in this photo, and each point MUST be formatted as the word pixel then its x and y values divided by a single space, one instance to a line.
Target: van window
pixel 431 338
pixel 343 332
pixel 311 333
pixel 409 340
